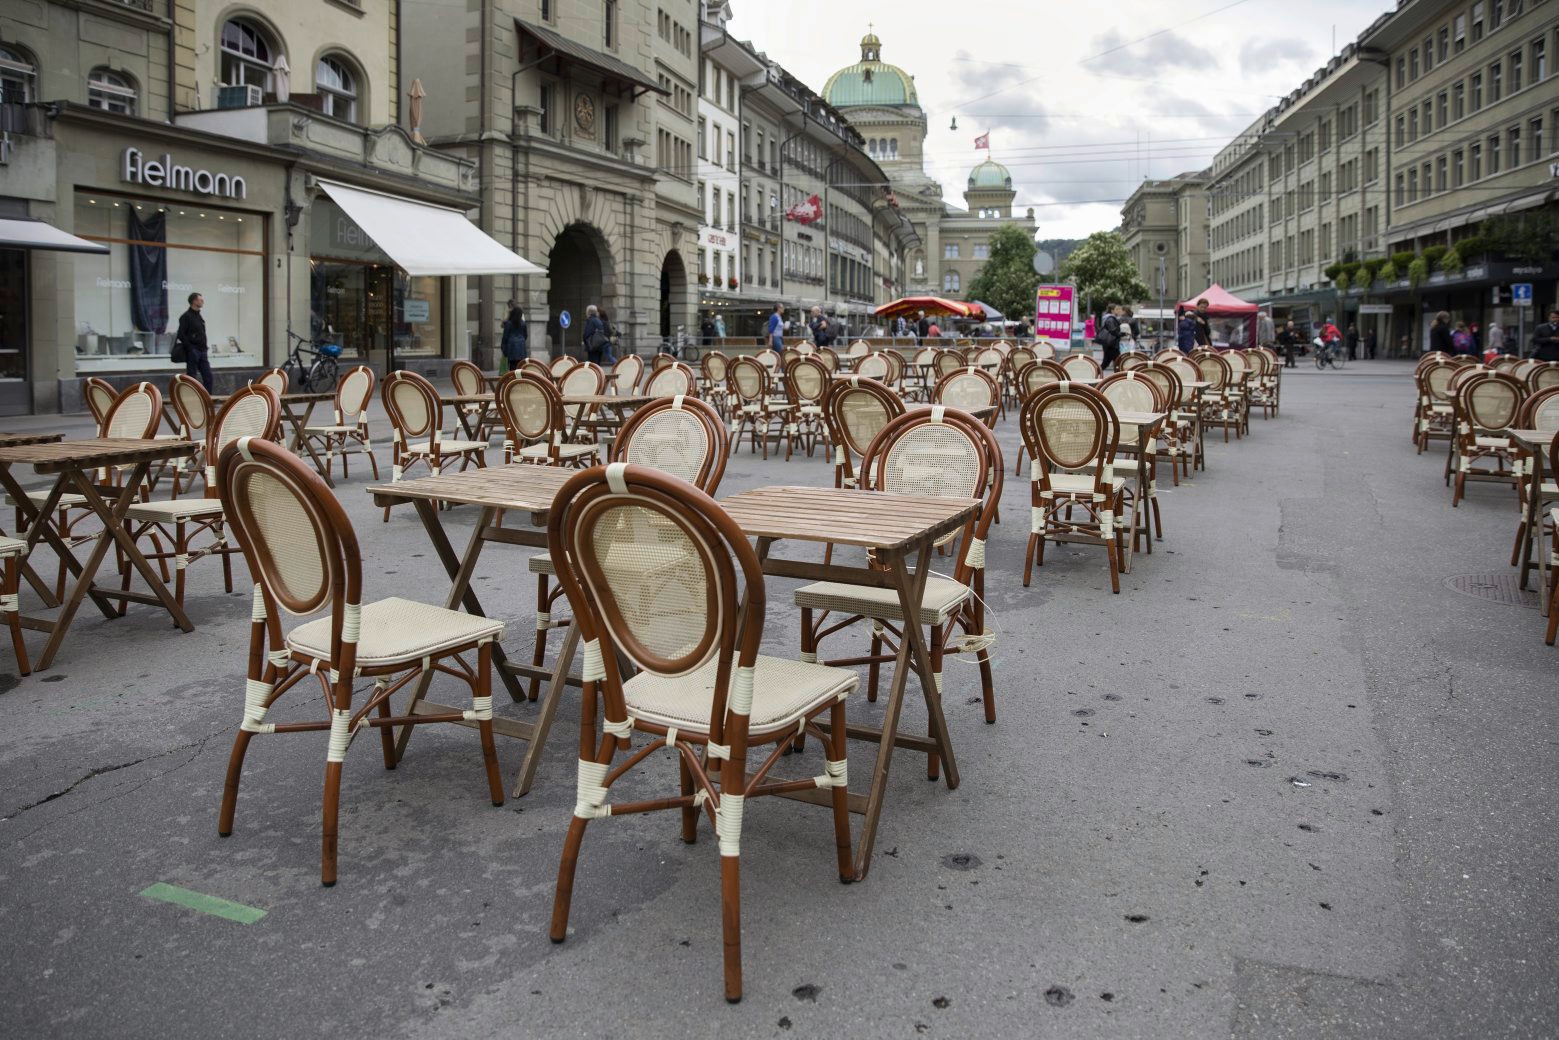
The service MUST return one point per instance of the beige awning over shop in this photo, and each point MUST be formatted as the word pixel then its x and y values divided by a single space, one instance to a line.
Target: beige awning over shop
pixel 36 234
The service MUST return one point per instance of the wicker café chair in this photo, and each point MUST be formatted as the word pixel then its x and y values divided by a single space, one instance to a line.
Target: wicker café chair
pixel 629 373
pixel 673 379
pixel 895 362
pixel 416 413
pixel 1238 390
pixel 770 359
pixel 1130 360
pixel 1540 411
pixel 254 411
pixel 1543 375
pixel 829 357
pixel 12 551
pixel 1489 401
pixel 939 451
pixel 304 556
pixel 192 404
pixel 349 421
pixel 969 389
pixel 1134 392
pixel 713 374
pixel 1043 351
pixel 1034 375
pixel 1220 401
pixel 859 349
pixel 875 366
pixel 534 367
pixel 944 364
pixel 856 409
pixel 1504 363
pixel 531 411
pixel 99 395
pixel 1081 366
pixel 658 574
pixel 1020 356
pixel 468 379
pixel 1176 437
pixel 561 364
pixel 1071 432
pixel 276 379
pixel 585 379
pixel 1433 412
pixel 806 381
pixel 681 436
pixel 753 409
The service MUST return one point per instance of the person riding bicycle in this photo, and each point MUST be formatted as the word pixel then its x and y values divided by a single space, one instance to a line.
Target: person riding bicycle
pixel 1330 337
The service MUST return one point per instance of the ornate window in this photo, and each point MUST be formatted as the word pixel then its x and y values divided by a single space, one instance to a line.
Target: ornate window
pixel 951 282
pixel 336 84
pixel 18 77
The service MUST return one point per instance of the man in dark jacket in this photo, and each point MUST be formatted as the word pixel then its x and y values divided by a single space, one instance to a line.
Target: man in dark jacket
pixel 1351 342
pixel 1204 328
pixel 1545 341
pixel 594 334
pixel 1440 334
pixel 1370 342
pixel 1185 332
pixel 922 326
pixel 1288 339
pixel 192 335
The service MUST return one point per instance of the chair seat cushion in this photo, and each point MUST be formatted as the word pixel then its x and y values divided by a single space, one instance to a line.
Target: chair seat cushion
pixel 447 447
pixel 541 564
pixel 1492 442
pixel 1081 483
pixel 333 429
pixel 783 692
pixel 398 631
pixel 941 598
pixel 177 509
pixel 12 546
pixel 566 451
pixel 37 499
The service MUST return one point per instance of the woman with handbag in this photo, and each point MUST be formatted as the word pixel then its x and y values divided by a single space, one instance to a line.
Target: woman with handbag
pixel 515 347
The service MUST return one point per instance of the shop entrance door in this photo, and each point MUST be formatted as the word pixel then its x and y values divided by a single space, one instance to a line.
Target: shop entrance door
pixel 15 387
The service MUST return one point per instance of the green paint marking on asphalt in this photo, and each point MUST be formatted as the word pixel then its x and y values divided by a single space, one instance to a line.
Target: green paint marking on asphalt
pixel 213 905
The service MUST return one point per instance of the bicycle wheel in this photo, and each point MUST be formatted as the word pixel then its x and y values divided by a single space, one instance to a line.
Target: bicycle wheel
pixel 1340 359
pixel 1320 358
pixel 322 377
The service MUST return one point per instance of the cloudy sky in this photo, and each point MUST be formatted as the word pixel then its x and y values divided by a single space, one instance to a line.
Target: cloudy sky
pixel 1084 100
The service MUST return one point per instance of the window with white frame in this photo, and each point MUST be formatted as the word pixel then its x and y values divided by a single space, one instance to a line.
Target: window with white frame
pixel 18 77
pixel 111 91
pixel 337 87
pixel 248 54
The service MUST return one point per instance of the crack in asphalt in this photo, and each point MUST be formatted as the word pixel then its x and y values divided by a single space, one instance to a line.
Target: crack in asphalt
pixel 197 745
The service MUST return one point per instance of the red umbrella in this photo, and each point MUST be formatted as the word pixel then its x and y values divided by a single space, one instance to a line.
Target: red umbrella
pixel 908 307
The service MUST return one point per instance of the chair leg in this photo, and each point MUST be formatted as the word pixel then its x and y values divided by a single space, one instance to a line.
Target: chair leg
pixel 874 669
pixel 328 832
pixel 1028 560
pixel 731 925
pixel 539 655
pixel 1114 555
pixel 13 615
pixel 235 769
pixel 484 696
pixel 689 812
pixel 386 733
pixel 938 637
pixel 1553 612
pixel 563 898
pixel 841 793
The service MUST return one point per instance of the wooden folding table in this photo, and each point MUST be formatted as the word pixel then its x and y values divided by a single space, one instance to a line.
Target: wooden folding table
pixel 1536 443
pixel 519 491
pixel 895 528
pixel 69 462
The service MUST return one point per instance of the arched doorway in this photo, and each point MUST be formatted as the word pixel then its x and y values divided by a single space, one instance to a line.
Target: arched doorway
pixel 576 272
pixel 673 296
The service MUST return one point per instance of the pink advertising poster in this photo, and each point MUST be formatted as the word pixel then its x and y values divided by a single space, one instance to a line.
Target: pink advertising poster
pixel 1053 315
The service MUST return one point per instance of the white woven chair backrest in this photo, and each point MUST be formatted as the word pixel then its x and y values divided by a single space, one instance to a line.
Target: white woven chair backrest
pixel 276 379
pixel 829 358
pixel 749 378
pixel 1128 394
pixel 925 355
pixel 1545 409
pixel 1163 377
pixel 990 357
pixel 769 359
pixel 467 378
pixel 413 406
pixel 808 379
pixel 280 517
pixel 968 390
pixel 860 348
pixel 581 379
pixel 1523 369
pixel 675 440
pixel 134 414
pixel 1037 374
pixel 715 367
pixel 1074 430
pixel 860 414
pixel 1543 374
pixel 192 404
pixel 354 392
pixel 1081 366
pixel 669 381
pixel 562 363
pixel 528 407
pixel 100 397
pixel 1491 402
pixel 629 370
pixel 1044 352
pixel 245 414
pixel 873 366
pixel 934 458
pixel 947 362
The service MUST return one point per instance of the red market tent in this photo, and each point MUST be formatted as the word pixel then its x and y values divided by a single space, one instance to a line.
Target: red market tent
pixel 1233 320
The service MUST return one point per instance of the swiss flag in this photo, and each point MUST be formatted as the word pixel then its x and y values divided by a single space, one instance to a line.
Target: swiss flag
pixel 983 141
pixel 807 212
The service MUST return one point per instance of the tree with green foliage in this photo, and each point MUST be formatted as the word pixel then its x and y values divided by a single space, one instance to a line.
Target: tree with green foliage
pixel 1007 281
pixel 1103 272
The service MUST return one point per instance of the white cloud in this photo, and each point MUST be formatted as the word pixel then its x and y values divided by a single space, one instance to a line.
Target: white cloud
pixel 1077 135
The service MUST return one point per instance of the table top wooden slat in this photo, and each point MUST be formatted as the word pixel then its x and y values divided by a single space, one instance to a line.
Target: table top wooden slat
pixel 522 488
pixel 91 452
pixel 1140 418
pixel 611 400
pixel 1532 440
pixel 846 516
pixel 290 397
pixel 16 440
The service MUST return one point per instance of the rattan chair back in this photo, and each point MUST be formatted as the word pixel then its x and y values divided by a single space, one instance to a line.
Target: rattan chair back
pixel 276 379
pixel 1504 363
pixel 1070 427
pixel 560 364
pixel 1214 370
pixel 860 348
pixel 670 380
pixel 990 358
pixel 1044 351
pixel 413 406
pixel 531 410
pixel 769 358
pixel 1020 356
pixel 968 388
pixel 192 404
pixel 941 452
pixel 254 411
pixel 895 366
pixel 856 409
pixel 1523 368
pixel 1166 379
pixel 467 378
pixel 1430 358
pixel 788 355
pixel 353 392
pixel 629 372
pixel 749 380
pixel 829 357
pixel 1540 411
pixel 947 362
pixel 661 360
pixel 1132 392
pixel 1542 375
pixel 682 436
pixel 535 367
pixel 1460 374
pixel 1490 400
pixel 1040 373
pixel 806 381
pixel 99 395
pixel 925 355
pixel 1435 379
pixel 1130 360
pixel 135 413
pixel 875 366
pixel 715 367
pixel 1081 366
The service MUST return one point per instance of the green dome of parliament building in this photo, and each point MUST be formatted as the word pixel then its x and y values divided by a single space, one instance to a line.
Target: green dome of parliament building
pixel 870 81
pixel 990 174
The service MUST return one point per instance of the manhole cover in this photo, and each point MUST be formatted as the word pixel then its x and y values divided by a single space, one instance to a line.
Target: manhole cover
pixel 1499 588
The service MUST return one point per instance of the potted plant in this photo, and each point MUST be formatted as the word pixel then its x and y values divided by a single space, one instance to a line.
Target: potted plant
pixel 732 282
pixel 1417 271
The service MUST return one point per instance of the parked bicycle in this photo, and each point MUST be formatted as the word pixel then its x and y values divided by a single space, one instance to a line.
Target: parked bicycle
pixel 317 373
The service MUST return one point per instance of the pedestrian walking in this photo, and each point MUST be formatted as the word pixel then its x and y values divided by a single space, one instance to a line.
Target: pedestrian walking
pixel 1185 332
pixel 594 334
pixel 1351 342
pixel 1496 338
pixel 818 326
pixel 1440 334
pixel 609 347
pixel 1370 342
pixel 1204 327
pixel 719 326
pixel 191 337
pixel 1461 339
pixel 1128 341
pixel 1109 335
pixel 1289 340
pixel 776 327
pixel 706 330
pixel 514 345
pixel 1545 340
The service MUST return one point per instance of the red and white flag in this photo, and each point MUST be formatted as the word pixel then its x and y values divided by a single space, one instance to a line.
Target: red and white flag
pixel 807 212
pixel 983 141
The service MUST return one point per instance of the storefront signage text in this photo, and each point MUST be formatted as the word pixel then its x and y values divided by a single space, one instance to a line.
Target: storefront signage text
pixel 165 173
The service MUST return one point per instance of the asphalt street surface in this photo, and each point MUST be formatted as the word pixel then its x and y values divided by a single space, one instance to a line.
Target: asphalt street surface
pixel 1289 783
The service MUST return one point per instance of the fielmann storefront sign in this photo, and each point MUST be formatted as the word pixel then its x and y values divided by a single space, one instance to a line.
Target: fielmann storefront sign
pixel 165 173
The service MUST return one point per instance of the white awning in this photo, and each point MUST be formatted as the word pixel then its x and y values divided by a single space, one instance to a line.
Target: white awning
pixel 424 239
pixel 35 234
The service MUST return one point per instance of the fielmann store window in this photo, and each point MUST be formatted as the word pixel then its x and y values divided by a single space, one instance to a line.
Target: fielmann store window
pixel 360 299
pixel 128 302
